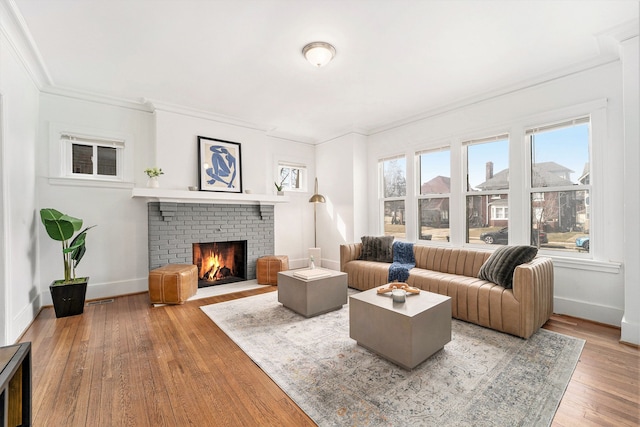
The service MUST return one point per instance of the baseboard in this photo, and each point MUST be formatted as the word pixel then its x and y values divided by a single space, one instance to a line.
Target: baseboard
pixel 589 311
pixel 106 290
pixel 630 332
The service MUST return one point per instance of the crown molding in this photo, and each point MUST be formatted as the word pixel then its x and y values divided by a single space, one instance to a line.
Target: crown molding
pixel 201 114
pixel 622 32
pixel 596 62
pixel 15 30
pixel 95 97
pixel 290 137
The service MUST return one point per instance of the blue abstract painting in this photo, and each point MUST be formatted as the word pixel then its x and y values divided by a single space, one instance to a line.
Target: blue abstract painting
pixel 220 165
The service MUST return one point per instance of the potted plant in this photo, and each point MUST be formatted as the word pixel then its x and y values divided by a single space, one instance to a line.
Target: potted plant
pixel 280 186
pixel 68 294
pixel 153 174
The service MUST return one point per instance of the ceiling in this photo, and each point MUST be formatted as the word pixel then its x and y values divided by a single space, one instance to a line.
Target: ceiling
pixel 242 59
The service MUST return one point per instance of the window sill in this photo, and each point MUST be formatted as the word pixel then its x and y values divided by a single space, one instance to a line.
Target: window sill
pixel 586 264
pixel 79 182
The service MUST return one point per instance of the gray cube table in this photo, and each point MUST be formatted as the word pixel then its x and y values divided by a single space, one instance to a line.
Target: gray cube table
pixel 403 333
pixel 315 296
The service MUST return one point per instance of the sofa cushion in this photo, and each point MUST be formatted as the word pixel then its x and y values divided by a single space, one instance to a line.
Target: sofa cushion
pixel 377 248
pixel 499 267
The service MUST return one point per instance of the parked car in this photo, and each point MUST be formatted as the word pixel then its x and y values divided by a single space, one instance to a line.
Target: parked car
pixel 501 237
pixel 583 242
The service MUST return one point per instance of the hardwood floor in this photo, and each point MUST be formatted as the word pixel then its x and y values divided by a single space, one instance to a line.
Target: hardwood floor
pixel 126 363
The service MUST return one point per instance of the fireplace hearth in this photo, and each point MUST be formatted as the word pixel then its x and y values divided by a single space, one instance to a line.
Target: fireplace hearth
pixel 220 262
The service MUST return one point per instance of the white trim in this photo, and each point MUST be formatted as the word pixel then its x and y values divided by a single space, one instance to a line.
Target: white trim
pixel 4 235
pixel 587 310
pixel 154 105
pixel 582 264
pixel 210 197
pixel 59 155
pixel 88 182
pixel 15 30
pixel 600 61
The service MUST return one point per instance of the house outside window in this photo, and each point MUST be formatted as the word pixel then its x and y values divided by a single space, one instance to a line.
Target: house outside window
pixel 487 192
pixel 560 183
pixel 393 190
pixel 433 194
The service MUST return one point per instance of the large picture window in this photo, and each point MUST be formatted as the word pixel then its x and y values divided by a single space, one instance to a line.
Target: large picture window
pixel 433 194
pixel 487 193
pixel 393 191
pixel 560 185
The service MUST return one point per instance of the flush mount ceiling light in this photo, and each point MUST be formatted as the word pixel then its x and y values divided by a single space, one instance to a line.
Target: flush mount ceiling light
pixel 319 53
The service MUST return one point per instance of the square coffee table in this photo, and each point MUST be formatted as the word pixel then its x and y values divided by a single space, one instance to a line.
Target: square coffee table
pixel 313 296
pixel 404 333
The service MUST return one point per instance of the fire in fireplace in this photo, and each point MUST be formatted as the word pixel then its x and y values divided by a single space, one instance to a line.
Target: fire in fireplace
pixel 220 262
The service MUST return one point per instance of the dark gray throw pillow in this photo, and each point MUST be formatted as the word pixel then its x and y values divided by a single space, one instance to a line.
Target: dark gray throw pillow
pixel 377 248
pixel 499 267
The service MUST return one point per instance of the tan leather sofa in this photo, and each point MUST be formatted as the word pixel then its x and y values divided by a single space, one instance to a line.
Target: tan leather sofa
pixel 520 311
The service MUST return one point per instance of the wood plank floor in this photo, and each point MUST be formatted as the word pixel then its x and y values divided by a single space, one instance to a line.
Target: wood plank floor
pixel 127 363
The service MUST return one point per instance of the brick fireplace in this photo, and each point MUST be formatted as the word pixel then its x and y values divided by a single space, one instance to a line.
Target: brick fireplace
pixel 175 227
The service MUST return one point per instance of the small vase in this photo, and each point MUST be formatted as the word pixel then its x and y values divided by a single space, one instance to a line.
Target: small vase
pixel 153 182
pixel 280 193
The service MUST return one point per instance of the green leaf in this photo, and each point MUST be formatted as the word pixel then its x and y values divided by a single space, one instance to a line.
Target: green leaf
pixel 59 226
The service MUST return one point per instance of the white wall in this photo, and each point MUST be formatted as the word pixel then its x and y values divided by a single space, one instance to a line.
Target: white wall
pixel 116 260
pixel 18 280
pixel 591 286
pixel 293 220
pixel 176 152
pixel 342 176
pixel 631 71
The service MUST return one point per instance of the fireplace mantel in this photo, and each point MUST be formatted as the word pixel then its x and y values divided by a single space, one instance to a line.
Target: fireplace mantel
pixel 184 196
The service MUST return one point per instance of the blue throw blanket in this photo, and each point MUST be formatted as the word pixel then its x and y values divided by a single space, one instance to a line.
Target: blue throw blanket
pixel 403 261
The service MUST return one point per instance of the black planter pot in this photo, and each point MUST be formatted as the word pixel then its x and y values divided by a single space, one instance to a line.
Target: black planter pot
pixel 68 298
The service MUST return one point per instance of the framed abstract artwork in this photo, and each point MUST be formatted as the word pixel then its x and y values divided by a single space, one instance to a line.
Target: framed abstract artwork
pixel 219 165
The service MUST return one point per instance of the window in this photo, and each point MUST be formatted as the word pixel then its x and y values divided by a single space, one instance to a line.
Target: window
pixel 560 185
pixel 292 177
pixel 487 187
pixel 433 194
pixel 499 212
pixel 393 184
pixel 93 158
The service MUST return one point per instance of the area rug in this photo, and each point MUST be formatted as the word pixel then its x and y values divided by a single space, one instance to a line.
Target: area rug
pixel 481 378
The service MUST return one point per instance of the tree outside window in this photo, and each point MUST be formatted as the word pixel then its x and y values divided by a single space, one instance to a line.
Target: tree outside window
pixel 393 174
pixel 560 184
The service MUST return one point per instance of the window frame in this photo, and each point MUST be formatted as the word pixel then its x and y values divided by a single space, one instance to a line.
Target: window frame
pixel 303 176
pixel 429 196
pixel 381 193
pixel 488 194
pixel 60 164
pixel 69 140
pixel 569 120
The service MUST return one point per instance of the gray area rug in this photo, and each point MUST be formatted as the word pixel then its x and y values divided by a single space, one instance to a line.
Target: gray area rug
pixel 481 378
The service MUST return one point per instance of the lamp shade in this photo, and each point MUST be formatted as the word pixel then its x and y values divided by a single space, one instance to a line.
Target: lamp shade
pixel 317 198
pixel 319 53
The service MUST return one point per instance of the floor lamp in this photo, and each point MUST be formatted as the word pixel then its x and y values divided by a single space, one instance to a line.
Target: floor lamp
pixel 315 199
